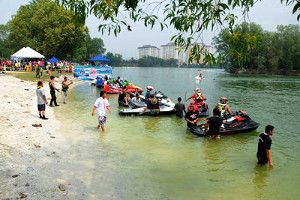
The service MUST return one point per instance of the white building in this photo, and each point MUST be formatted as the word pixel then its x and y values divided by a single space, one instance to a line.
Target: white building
pixel 171 51
pixel 148 50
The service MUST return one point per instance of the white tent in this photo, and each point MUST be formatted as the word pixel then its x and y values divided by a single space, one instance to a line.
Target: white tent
pixel 26 52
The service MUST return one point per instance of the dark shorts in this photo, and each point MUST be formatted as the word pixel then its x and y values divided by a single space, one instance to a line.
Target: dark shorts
pixel 41 107
pixel 102 120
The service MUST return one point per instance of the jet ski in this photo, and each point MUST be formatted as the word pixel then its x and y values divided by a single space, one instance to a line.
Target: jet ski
pixel 242 123
pixel 163 110
pixel 201 109
pixel 166 106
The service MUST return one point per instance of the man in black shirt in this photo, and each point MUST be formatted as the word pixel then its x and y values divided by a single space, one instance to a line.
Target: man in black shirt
pixel 264 146
pixel 214 124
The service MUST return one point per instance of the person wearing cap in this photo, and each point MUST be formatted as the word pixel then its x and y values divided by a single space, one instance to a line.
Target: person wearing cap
pixel 148 93
pixel 224 108
pixel 197 96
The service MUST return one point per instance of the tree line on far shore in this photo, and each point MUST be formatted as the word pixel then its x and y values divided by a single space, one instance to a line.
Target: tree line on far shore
pixel 249 48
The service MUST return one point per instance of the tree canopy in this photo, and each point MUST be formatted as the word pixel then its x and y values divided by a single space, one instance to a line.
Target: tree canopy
pixel 248 47
pixel 50 29
pixel 46 27
pixel 4 32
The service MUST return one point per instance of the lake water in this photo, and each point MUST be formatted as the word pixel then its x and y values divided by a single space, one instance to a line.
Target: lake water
pixel 157 158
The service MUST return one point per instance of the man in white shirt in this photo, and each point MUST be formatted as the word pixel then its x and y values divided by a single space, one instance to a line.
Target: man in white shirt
pixel 101 105
pixel 41 100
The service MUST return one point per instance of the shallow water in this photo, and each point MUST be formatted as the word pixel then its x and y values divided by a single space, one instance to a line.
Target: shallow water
pixel 157 158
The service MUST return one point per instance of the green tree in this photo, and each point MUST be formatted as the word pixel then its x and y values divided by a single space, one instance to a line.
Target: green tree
pixel 239 46
pixel 95 46
pixel 149 61
pixel 4 50
pixel 116 59
pixel 287 43
pixel 47 28
pixel 89 47
pixel 189 17
pixel 248 47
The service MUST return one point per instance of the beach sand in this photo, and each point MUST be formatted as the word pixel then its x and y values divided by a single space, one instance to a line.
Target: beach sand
pixel 28 155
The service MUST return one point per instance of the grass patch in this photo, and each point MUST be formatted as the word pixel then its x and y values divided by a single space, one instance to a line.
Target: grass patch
pixel 30 76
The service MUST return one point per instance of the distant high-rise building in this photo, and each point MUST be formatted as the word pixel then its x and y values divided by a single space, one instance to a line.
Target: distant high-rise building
pixel 148 50
pixel 171 51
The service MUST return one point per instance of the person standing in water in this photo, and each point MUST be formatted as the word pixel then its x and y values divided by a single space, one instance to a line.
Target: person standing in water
pixel 263 154
pixel 101 105
pixel 52 92
pixel 214 124
pixel 41 100
pixel 179 108
pixel 65 86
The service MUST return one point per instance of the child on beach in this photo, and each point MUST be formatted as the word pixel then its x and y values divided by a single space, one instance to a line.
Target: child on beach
pixel 41 100
pixel 101 105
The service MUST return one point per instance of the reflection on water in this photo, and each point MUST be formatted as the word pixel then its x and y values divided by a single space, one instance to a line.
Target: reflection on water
pixel 157 158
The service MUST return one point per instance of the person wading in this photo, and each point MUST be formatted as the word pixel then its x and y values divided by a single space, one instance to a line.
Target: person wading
pixel 179 108
pixel 65 86
pixel 263 154
pixel 101 105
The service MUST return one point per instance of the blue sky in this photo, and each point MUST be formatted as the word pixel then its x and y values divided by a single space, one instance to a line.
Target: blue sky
pixel 267 13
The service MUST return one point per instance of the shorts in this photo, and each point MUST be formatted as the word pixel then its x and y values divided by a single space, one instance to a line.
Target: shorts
pixel 102 120
pixel 41 107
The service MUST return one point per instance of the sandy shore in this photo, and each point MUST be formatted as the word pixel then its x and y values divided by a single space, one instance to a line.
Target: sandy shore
pixel 28 154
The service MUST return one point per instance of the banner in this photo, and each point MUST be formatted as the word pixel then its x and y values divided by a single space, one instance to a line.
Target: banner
pixel 91 72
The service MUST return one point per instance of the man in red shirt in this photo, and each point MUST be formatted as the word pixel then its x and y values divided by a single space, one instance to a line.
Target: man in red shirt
pixel 198 97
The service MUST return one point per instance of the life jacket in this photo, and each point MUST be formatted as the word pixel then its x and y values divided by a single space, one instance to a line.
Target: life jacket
pixel 106 88
pixel 199 97
pixel 222 108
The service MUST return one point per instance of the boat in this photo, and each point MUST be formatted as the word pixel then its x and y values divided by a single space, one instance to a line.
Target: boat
pixel 163 110
pixel 242 124
pixel 114 90
pixel 139 108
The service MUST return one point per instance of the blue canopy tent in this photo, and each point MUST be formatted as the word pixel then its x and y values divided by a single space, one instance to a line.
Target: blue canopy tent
pixel 100 58
pixel 53 60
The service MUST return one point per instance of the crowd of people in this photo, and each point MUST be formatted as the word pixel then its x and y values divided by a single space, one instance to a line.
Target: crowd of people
pixel 37 66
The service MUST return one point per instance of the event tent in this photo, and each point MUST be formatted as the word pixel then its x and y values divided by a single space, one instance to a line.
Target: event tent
pixel 100 58
pixel 26 52
pixel 53 60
